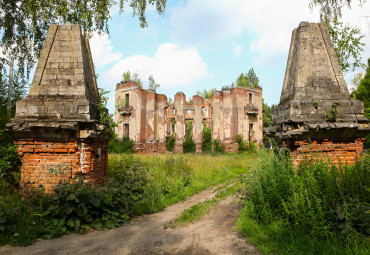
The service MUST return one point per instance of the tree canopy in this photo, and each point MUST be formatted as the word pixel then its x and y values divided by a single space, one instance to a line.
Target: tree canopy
pixel 206 93
pixel 24 23
pixel 249 79
pixel 362 92
pixel 347 43
pixel 127 76
pixel 331 8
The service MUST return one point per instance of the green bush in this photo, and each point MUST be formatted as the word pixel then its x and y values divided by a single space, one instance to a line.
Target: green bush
pixel 75 205
pixel 78 206
pixel 218 147
pixel 207 140
pixel 367 142
pixel 188 145
pixel 242 146
pixel 170 143
pixel 9 160
pixel 317 199
pixel 123 145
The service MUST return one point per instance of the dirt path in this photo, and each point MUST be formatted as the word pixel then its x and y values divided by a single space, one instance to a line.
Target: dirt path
pixel 213 234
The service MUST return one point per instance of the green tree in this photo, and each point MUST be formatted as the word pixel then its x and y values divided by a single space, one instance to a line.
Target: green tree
pixel 207 94
pixel 347 43
pixel 127 76
pixel 106 119
pixel 356 81
pixel 249 79
pixel 330 8
pixel 152 83
pixel 9 160
pixel 267 114
pixel 24 23
pixel 362 92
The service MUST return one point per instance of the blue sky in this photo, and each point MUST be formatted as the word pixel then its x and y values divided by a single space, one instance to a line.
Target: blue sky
pixel 206 44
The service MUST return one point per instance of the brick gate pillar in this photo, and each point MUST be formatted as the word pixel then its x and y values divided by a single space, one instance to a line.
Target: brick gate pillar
pixel 56 127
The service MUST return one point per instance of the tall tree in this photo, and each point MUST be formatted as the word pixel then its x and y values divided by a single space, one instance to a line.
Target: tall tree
pixel 249 79
pixel 346 40
pixel 206 93
pixel 267 114
pixel 24 23
pixel 127 76
pixel 152 83
pixel 362 92
pixel 347 43
pixel 331 8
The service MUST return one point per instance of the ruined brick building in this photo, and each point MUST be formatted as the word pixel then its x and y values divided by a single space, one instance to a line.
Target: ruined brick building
pixel 315 113
pixel 148 118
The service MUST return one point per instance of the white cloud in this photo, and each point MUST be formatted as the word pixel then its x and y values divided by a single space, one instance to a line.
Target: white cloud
pixel 170 66
pixel 268 22
pixel 102 50
pixel 238 50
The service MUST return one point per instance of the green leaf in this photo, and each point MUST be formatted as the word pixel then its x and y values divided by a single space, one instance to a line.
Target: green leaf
pixel 70 223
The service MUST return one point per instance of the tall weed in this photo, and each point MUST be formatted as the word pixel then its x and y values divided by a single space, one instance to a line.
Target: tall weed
pixel 317 199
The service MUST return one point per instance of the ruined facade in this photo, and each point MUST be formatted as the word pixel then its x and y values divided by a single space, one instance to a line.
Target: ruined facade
pixel 56 127
pixel 148 118
pixel 315 113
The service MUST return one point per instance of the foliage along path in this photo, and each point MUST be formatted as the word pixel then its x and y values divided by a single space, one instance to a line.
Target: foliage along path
pixel 212 234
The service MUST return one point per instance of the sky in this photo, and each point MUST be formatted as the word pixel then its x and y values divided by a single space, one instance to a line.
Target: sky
pixel 206 44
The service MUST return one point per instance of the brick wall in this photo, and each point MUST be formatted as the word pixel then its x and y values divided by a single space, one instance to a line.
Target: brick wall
pixel 344 150
pixel 47 163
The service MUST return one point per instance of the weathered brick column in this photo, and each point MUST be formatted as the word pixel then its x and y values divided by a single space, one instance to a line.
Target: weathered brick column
pixel 180 121
pixel 198 102
pixel 56 127
pixel 161 122
pixel 315 113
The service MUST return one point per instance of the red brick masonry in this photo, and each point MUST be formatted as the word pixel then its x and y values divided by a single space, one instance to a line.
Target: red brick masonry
pixel 47 163
pixel 345 150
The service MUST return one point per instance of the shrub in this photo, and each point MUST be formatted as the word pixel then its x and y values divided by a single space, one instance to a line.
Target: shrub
pixel 242 146
pixel 317 198
pixel 170 143
pixel 218 147
pixel 240 141
pixel 207 140
pixel 188 145
pixel 123 145
pixel 9 160
pixel 367 142
pixel 76 205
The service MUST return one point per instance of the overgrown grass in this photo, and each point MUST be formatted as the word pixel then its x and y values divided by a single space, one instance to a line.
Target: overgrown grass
pixel 135 185
pixel 197 211
pixel 175 177
pixel 315 209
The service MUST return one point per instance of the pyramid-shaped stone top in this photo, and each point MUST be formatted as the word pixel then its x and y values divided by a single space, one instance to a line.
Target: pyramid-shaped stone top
pixel 63 92
pixel 314 80
pixel 313 69
pixel 314 95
